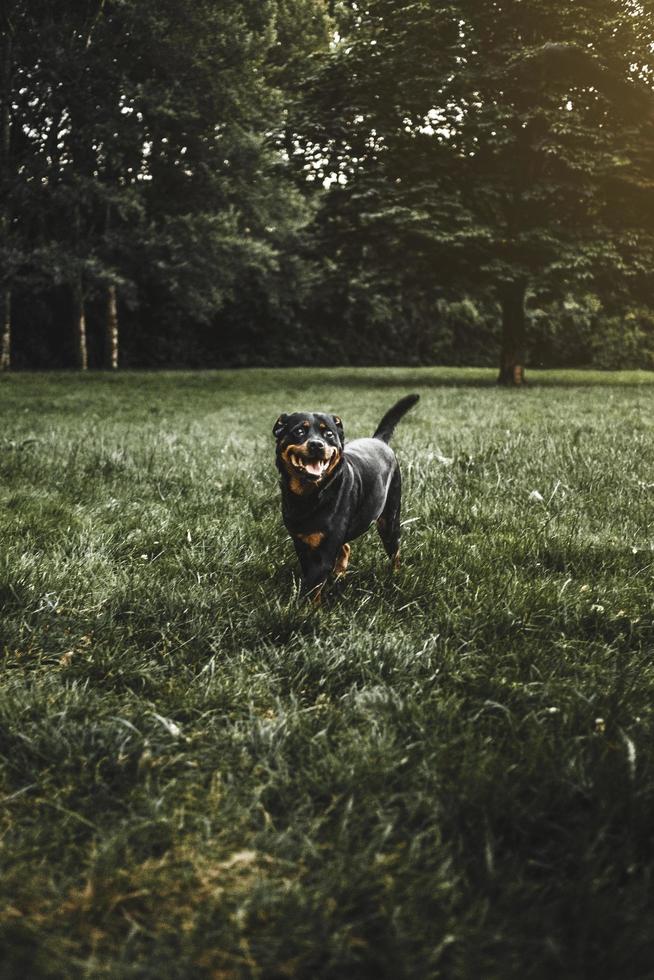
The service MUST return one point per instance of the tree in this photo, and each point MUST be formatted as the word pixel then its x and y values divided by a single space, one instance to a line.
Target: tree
pixel 16 42
pixel 540 135
pixel 58 99
pixel 153 140
pixel 481 141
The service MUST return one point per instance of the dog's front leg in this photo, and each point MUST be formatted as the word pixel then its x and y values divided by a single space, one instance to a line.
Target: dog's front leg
pixel 317 556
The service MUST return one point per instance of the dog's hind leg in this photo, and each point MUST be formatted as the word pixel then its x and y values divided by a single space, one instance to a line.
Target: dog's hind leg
pixel 340 567
pixel 388 522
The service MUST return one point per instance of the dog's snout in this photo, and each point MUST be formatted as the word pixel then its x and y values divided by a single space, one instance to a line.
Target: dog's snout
pixel 315 446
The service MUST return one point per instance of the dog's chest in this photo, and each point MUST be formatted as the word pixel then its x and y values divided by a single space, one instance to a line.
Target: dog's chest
pixel 348 506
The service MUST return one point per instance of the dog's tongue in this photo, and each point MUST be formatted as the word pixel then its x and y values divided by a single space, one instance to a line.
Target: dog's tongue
pixel 314 468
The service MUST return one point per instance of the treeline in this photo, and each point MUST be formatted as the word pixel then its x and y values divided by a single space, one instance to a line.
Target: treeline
pixel 304 181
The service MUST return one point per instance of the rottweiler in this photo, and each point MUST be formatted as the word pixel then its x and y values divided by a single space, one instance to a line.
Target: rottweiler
pixel 333 492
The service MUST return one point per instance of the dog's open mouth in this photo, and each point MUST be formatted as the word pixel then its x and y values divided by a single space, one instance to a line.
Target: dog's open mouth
pixel 314 468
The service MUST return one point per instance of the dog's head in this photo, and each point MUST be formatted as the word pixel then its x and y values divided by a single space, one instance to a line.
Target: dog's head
pixel 309 448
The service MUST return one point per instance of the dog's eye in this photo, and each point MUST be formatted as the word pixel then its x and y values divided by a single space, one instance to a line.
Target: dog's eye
pixel 300 431
pixel 329 434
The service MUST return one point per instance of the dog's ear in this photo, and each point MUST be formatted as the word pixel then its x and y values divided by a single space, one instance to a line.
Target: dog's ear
pixel 279 426
pixel 339 428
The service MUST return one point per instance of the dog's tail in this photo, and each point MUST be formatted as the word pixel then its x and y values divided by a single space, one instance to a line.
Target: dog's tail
pixel 386 427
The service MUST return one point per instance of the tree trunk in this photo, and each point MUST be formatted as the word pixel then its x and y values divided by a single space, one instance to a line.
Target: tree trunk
pixel 111 329
pixel 512 357
pixel 79 328
pixel 5 330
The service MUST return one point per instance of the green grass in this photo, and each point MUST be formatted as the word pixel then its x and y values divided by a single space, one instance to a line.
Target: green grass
pixel 446 773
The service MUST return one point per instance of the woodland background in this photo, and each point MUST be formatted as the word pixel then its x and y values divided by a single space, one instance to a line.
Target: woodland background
pixel 271 182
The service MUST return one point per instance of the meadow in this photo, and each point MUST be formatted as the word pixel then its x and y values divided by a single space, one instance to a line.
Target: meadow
pixel 447 772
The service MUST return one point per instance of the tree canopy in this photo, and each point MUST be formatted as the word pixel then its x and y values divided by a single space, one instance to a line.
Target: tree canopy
pixel 487 142
pixel 140 150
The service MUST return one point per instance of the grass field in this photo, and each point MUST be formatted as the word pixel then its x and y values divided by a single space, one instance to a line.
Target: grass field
pixel 445 773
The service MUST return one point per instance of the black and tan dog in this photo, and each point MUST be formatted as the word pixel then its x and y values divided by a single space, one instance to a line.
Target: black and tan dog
pixel 332 492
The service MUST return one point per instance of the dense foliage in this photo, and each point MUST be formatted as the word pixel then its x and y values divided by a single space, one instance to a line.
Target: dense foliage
pixel 409 181
pixel 138 154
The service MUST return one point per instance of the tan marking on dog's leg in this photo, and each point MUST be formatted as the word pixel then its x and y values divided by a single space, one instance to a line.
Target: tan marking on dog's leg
pixel 396 561
pixel 313 540
pixel 340 567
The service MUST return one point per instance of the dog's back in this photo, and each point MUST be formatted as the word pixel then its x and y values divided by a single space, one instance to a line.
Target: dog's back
pixel 372 464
